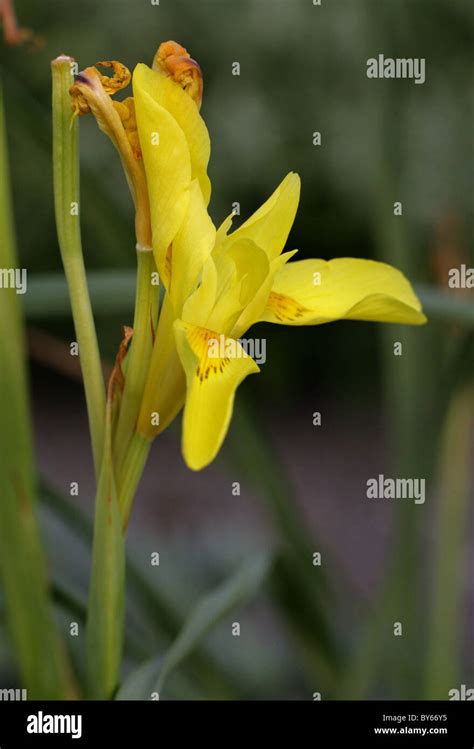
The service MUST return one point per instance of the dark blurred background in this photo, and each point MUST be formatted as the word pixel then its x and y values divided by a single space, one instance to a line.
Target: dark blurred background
pixel 303 69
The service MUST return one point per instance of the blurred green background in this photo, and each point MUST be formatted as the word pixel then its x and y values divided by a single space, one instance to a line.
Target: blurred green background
pixel 303 69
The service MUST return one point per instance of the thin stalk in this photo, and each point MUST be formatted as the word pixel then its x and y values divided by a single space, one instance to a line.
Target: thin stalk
pixel 66 200
pixel 144 325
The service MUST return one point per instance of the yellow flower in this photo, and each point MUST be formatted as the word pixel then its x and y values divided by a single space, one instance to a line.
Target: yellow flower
pixel 220 283
pixel 176 148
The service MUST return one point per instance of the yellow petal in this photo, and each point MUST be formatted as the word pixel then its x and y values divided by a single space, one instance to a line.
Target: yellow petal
pixel 167 166
pixel 270 226
pixel 310 292
pixel 223 231
pixel 211 384
pixel 241 271
pixel 166 385
pixel 256 305
pixel 192 246
pixel 166 93
pixel 200 304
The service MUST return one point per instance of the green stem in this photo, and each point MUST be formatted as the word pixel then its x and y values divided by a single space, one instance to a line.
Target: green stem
pixel 144 325
pixel 66 199
pixel 131 474
pixel 451 543
pixel 106 608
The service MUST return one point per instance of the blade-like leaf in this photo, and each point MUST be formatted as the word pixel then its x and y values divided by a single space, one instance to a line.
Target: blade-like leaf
pixel 141 683
pixel 306 600
pixel 41 657
pixel 207 613
pixel 148 605
pixel 444 306
pixel 112 292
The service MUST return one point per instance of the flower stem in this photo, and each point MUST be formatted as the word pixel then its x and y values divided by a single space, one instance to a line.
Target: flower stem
pixel 144 325
pixel 66 199
pixel 106 607
pixel 132 470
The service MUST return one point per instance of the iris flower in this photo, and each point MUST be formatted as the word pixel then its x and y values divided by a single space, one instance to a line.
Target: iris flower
pixel 218 282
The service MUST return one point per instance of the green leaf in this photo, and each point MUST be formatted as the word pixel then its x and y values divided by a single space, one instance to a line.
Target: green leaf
pixel 207 613
pixel 444 306
pixel 149 606
pixel 139 685
pixel 211 609
pixel 302 592
pixel 44 668
pixel 111 292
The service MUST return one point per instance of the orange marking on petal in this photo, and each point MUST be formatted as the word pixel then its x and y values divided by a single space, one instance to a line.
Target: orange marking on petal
pixel 201 340
pixel 285 308
pixel 168 265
